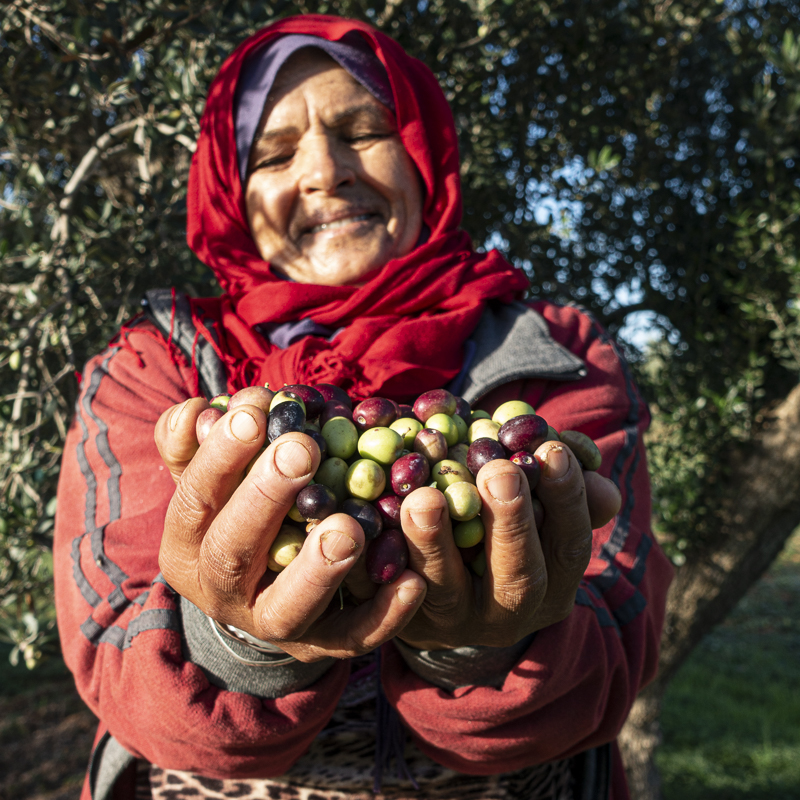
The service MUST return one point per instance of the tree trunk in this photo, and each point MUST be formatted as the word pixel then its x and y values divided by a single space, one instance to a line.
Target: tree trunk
pixel 761 508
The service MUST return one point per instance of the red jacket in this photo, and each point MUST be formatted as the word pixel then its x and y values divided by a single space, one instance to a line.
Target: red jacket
pixel 120 627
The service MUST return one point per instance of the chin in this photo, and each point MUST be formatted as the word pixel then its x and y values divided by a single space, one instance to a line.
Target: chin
pixel 344 273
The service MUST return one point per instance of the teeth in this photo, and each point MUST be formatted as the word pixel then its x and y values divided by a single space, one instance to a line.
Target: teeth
pixel 339 223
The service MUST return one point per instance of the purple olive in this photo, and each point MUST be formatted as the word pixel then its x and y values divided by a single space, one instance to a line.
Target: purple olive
pixel 525 432
pixel 431 444
pixel 529 465
pixel 333 408
pixel 311 397
pixel 387 556
pixel 389 507
pixel 366 515
pixel 375 412
pixel 321 443
pixel 436 401
pixel 285 418
pixel 205 422
pixel 481 452
pixel 409 473
pixel 258 396
pixel 464 410
pixel 406 411
pixel 330 392
pixel 316 502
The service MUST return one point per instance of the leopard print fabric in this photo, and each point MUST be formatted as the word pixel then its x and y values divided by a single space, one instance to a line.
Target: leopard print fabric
pixel 340 764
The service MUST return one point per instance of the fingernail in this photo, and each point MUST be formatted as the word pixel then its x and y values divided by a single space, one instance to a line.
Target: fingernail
pixel 408 594
pixel 244 427
pixel 176 415
pixel 337 546
pixel 504 488
pixel 426 517
pixel 292 460
pixel 555 463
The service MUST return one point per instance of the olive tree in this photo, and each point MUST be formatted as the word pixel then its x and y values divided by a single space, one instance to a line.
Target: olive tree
pixel 636 157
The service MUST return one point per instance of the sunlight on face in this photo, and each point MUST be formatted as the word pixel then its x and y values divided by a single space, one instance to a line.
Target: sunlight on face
pixel 332 193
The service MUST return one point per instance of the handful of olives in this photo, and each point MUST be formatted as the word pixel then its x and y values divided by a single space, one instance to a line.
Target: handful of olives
pixel 378 452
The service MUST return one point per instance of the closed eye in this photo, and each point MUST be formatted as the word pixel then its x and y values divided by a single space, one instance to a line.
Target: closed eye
pixel 275 161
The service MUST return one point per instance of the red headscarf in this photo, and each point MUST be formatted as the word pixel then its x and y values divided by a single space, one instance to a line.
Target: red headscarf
pixel 404 329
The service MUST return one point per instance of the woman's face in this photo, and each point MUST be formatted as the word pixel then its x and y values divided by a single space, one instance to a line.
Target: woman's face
pixel 332 193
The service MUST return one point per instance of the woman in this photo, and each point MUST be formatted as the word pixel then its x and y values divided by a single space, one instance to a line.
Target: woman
pixel 325 195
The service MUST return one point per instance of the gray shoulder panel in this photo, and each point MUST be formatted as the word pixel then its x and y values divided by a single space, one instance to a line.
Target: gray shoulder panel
pixel 514 342
pixel 157 304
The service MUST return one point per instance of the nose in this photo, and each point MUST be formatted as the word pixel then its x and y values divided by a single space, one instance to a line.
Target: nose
pixel 324 165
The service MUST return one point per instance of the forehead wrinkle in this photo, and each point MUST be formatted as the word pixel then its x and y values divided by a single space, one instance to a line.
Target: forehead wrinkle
pixel 277 133
pixel 341 118
pixel 365 109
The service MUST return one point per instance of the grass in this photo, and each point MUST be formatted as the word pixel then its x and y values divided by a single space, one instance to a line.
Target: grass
pixel 731 717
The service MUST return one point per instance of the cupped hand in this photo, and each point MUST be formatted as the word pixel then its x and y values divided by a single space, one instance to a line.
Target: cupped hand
pixel 221 523
pixel 532 573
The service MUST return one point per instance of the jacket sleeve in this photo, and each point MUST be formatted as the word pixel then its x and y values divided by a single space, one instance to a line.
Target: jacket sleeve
pixel 574 685
pixel 122 629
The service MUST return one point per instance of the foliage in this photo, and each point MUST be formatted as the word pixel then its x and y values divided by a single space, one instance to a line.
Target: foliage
pixel 633 156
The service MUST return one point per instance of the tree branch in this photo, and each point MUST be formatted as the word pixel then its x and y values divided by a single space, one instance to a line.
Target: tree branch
pixel 58 38
pixel 60 228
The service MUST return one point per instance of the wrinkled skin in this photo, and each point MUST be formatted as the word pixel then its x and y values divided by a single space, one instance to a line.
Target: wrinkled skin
pixel 219 528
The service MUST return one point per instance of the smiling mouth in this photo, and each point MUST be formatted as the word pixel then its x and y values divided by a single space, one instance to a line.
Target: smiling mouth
pixel 340 223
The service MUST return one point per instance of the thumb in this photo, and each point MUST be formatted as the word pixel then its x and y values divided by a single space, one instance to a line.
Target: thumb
pixel 175 434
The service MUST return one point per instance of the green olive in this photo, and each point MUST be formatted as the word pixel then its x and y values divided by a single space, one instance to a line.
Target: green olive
pixel 383 445
pixel 341 436
pixel 585 450
pixel 332 473
pixel 461 426
pixel 483 429
pixel 285 547
pixel 470 533
pixel 511 409
pixel 447 472
pixel 463 501
pixel 408 428
pixel 365 479
pixel 445 425
pixel 285 397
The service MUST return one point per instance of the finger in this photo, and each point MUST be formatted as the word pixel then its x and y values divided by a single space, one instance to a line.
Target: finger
pixel 206 485
pixel 567 531
pixel 603 497
pixel 233 554
pixel 303 590
pixel 358 582
pixel 349 632
pixel 175 435
pixel 432 549
pixel 515 577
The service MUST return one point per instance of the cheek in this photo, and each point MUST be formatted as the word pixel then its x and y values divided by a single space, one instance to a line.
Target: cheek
pixel 266 213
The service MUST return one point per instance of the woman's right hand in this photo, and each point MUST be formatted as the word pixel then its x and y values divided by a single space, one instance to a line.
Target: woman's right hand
pixel 220 525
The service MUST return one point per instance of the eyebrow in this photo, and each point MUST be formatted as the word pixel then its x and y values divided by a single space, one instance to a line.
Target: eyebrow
pixel 342 118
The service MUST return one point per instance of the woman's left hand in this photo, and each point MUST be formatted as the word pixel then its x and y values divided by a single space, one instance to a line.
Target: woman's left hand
pixel 531 575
